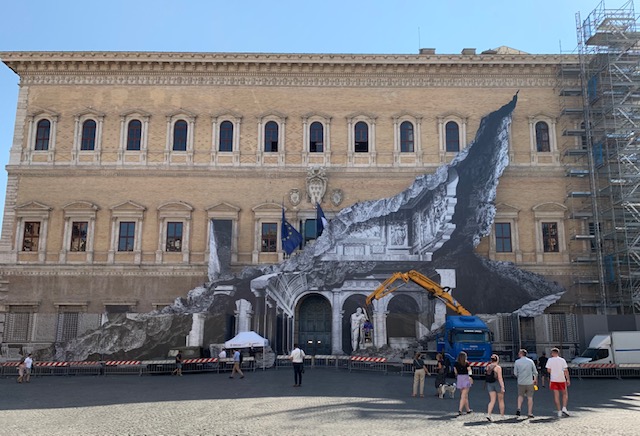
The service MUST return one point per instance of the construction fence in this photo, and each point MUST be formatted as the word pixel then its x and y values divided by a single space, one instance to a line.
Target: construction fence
pixel 350 363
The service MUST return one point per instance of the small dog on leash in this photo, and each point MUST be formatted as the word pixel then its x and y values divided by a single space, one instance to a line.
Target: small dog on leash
pixel 444 388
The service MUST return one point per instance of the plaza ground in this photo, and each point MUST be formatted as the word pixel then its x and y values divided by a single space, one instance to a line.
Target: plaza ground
pixel 330 402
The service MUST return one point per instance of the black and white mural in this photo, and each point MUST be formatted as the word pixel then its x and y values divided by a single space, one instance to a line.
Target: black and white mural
pixel 433 226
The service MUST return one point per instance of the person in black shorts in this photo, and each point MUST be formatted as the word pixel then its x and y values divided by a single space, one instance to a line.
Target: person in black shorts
pixel 542 368
pixel 178 370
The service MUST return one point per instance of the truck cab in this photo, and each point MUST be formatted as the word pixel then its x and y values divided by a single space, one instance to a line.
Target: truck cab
pixel 465 333
pixel 599 351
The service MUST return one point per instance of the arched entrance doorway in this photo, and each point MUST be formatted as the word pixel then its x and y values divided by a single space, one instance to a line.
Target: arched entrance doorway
pixel 402 320
pixel 314 325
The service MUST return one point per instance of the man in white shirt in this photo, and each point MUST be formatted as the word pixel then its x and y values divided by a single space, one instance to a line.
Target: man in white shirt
pixel 559 380
pixel 297 358
pixel 223 354
pixel 28 363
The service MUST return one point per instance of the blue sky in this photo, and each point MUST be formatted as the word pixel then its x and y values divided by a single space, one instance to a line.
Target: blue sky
pixel 285 26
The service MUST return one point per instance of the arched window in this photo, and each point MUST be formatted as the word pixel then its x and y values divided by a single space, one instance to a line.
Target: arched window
pixel 88 141
pixel 361 144
pixel 271 137
pixel 180 136
pixel 316 137
pixel 134 135
pixel 226 136
pixel 452 137
pixel 406 137
pixel 43 132
pixel 542 137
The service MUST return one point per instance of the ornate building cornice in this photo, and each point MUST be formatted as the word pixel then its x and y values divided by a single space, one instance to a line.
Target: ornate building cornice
pixel 251 69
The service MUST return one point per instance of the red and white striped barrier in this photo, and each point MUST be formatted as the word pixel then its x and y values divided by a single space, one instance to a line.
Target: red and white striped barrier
pixel 122 362
pixel 597 365
pixel 368 359
pixel 204 360
pixel 51 364
pixel 11 364
pixel 84 363
pixel 478 363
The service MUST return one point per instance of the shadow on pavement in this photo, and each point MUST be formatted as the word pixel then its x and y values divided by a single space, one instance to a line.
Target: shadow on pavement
pixel 369 394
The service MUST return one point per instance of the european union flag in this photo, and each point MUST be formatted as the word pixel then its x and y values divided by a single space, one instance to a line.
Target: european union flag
pixel 291 238
pixel 321 220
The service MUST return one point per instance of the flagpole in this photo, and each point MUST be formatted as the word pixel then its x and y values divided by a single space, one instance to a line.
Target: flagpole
pixel 316 220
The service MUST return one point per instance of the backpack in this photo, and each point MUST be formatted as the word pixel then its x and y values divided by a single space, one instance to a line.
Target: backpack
pixel 490 375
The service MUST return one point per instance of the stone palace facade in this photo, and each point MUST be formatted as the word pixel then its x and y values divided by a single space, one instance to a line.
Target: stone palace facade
pixel 120 162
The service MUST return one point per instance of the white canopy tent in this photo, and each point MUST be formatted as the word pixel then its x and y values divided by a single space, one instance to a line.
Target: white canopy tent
pixel 247 340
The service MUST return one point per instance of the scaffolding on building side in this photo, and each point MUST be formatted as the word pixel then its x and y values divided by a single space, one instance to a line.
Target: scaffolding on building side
pixel 609 54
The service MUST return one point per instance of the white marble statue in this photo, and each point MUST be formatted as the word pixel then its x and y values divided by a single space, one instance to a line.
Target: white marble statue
pixel 357 322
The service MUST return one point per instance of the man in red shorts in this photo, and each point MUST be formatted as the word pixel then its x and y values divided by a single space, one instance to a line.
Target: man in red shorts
pixel 559 380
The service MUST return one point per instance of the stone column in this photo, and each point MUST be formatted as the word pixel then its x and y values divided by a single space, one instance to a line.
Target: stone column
pixel 447 278
pixel 196 335
pixel 379 328
pixel 243 316
pixel 336 324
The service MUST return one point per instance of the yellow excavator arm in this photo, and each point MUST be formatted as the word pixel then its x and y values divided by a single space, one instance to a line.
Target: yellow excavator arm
pixel 433 288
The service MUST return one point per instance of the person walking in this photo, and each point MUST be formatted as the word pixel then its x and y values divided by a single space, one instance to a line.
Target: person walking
pixel 559 381
pixel 419 371
pixel 236 364
pixel 527 373
pixel 495 386
pixel 441 373
pixel 28 364
pixel 178 370
pixel 297 359
pixel 21 370
pixel 464 381
pixel 542 369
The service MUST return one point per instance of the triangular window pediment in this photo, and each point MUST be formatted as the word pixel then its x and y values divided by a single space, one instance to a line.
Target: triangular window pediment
pixel 226 114
pixel 182 113
pixel 44 113
pixel 273 114
pixel 34 206
pixel 89 112
pixel 134 113
pixel 128 206
pixel 223 207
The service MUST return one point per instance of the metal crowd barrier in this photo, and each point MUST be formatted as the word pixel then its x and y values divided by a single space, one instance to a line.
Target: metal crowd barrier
pixel 352 363
pixel 49 368
pixel 362 363
pixel 123 367
pixel 594 370
pixel 283 361
pixel 85 368
pixel 325 361
pixel 200 365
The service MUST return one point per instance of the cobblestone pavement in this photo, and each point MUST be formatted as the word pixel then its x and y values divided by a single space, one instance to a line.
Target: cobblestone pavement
pixel 330 402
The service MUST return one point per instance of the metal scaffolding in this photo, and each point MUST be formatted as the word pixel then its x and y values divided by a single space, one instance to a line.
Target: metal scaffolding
pixel 609 55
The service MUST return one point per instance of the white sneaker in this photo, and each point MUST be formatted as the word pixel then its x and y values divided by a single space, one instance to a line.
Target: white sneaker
pixel 565 412
pixel 489 418
pixel 559 414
